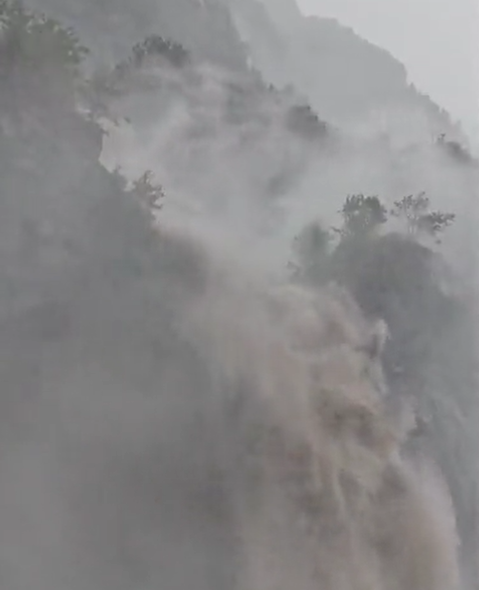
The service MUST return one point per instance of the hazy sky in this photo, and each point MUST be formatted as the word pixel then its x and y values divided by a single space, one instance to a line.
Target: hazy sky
pixel 437 40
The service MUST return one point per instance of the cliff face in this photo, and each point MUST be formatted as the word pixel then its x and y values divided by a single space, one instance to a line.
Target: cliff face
pixel 110 28
pixel 87 290
pixel 344 76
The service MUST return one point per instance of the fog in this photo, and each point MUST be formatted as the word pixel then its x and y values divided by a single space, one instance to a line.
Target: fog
pixel 437 41
pixel 216 371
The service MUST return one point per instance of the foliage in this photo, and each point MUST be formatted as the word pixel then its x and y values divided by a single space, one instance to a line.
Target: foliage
pixel 455 150
pixel 419 219
pixel 109 83
pixel 145 191
pixel 154 46
pixel 395 278
pixel 392 276
pixel 34 41
pixel 362 216
pixel 303 120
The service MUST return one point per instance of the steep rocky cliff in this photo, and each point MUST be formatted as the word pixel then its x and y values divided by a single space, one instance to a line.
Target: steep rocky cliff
pixel 78 257
pixel 344 77
pixel 110 28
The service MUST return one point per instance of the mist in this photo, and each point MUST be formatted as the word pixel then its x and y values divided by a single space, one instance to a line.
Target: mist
pixel 420 34
pixel 232 354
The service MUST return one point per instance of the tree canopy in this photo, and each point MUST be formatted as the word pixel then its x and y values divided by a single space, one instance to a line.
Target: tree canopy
pixel 35 41
pixel 393 275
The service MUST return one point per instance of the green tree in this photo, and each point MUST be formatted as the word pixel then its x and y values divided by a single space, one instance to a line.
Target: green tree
pixel 301 119
pixel 107 84
pixel 420 221
pixel 455 150
pixel 40 60
pixel 35 41
pixel 391 275
pixel 144 190
pixel 362 216
pixel 148 193
pixel 155 46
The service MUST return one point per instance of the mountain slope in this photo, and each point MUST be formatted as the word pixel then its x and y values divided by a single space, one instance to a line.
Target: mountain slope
pixel 344 76
pixel 111 27
pixel 80 265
